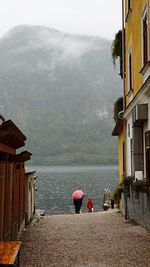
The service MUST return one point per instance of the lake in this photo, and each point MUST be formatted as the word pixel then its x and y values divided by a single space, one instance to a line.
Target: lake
pixel 55 185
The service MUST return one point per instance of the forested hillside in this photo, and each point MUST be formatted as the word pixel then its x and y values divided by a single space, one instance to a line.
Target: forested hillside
pixel 60 90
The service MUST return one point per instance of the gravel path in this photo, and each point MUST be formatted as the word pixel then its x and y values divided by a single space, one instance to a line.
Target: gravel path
pixel 102 239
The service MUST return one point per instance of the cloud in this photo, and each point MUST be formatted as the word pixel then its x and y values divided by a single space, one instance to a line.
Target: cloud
pixel 67 46
pixel 98 17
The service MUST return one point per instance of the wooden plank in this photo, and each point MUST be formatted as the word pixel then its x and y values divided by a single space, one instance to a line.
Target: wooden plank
pixel 9 251
pixel 15 203
pixel 2 197
pixel 8 201
pixel 7 149
pixel 8 265
pixel 10 135
pixel 22 157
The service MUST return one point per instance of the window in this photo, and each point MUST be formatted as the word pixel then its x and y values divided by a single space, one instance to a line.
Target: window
pixel 147 155
pixel 132 157
pixel 145 40
pixel 129 5
pixel 128 9
pixel 137 147
pixel 129 71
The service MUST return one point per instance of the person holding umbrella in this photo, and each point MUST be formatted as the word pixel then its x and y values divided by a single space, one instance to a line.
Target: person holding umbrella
pixel 77 197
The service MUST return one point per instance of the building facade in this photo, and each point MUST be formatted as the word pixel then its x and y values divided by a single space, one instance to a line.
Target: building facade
pixel 12 181
pixel 137 88
pixel 134 139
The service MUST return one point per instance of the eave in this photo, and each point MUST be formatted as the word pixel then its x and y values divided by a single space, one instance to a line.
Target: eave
pixel 118 127
pixel 22 157
pixel 11 136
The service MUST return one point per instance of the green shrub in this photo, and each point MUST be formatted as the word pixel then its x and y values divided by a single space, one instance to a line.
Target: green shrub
pixel 127 180
pixel 137 185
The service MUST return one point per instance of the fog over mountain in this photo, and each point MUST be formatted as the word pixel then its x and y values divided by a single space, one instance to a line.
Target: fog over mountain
pixel 60 90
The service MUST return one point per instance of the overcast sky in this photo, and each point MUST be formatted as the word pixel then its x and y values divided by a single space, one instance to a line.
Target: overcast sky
pixel 92 17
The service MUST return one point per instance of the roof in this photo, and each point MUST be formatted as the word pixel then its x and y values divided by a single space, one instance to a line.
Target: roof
pixel 118 127
pixel 31 172
pixel 22 157
pixel 11 136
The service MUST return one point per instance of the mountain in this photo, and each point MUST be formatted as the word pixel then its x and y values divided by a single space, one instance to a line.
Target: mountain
pixel 60 90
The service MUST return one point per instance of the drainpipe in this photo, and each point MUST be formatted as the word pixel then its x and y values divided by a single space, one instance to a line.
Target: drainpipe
pixel 124 104
pixel 123 55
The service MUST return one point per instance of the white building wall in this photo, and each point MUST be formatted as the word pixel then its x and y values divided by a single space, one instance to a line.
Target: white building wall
pixel 146 127
pixel 143 99
pixel 30 196
pixel 129 137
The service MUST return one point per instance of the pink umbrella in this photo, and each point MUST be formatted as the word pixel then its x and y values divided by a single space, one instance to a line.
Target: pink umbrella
pixel 77 194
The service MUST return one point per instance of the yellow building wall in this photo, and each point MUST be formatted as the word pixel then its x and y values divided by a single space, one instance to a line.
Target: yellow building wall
pixel 133 40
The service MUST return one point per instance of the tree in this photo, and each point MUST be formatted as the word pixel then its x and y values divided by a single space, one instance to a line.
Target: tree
pixel 116 50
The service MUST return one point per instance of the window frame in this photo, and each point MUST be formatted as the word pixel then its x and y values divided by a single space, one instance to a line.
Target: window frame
pixel 144 23
pixel 129 4
pixel 128 9
pixel 147 156
pixel 130 72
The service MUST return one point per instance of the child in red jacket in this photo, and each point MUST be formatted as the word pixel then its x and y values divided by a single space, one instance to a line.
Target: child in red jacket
pixel 90 205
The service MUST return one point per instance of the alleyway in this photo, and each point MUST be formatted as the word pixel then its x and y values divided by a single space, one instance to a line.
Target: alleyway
pixel 102 239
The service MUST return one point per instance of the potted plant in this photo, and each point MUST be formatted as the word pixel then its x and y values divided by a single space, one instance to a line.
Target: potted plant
pixel 126 181
pixel 138 185
pixel 116 50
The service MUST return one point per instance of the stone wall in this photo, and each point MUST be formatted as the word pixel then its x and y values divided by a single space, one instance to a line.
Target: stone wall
pixel 138 206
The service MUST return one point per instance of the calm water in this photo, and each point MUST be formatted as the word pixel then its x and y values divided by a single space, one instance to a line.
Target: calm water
pixel 56 184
